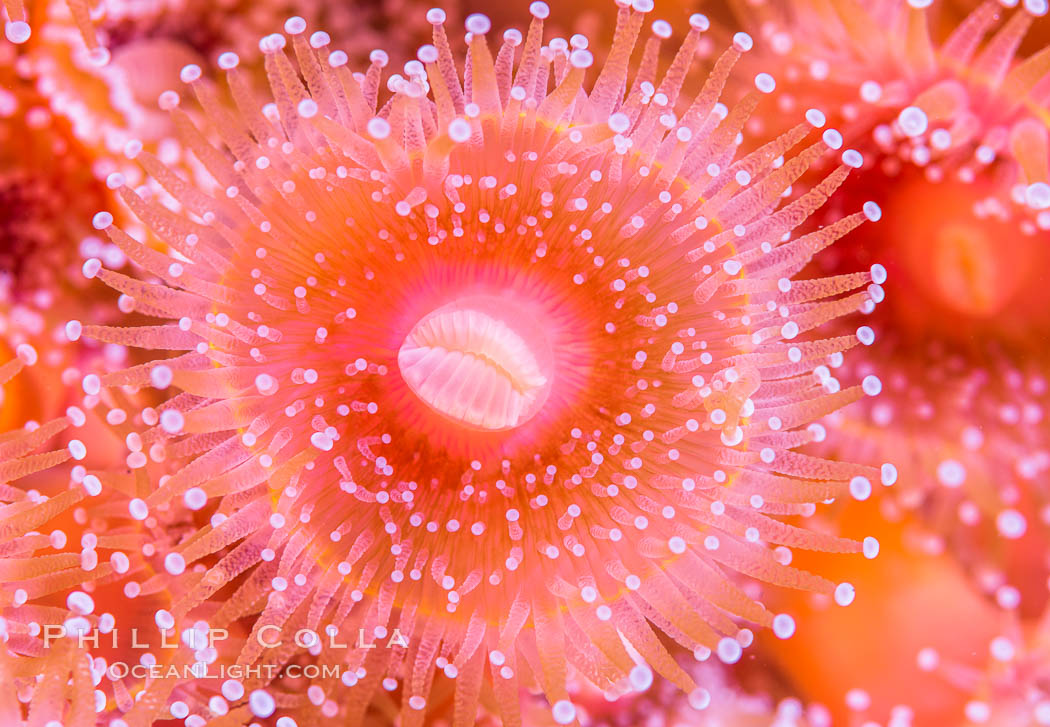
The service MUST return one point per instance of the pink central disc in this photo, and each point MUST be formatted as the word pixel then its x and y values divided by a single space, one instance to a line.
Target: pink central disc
pixel 479 361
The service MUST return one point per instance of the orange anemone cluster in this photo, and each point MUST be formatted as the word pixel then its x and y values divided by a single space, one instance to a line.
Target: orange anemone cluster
pixel 402 367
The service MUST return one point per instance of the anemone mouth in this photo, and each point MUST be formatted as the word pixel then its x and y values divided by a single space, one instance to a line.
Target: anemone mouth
pixel 961 265
pixel 973 266
pixel 968 277
pixel 480 362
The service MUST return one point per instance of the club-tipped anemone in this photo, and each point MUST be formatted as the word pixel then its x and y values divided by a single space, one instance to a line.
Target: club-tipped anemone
pixel 953 127
pixel 968 436
pixel 32 571
pixel 884 680
pixel 21 459
pixel 726 698
pixel 109 90
pixel 443 352
pixel 964 103
pixel 945 241
pixel 1005 681
pixel 50 185
pixel 55 684
pixel 965 396
pixel 71 552
pixel 44 172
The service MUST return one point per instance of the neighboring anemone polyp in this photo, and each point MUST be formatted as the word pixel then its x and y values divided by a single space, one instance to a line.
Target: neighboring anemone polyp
pixel 958 101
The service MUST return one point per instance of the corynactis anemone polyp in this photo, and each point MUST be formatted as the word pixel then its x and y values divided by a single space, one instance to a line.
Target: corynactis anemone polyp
pixel 960 105
pixel 446 359
pixel 946 244
pixel 50 184
pixel 909 601
pixel 956 126
pixel 43 169
pixel 28 574
pixel 727 702
pixel 1008 686
pixel 71 552
pixel 110 90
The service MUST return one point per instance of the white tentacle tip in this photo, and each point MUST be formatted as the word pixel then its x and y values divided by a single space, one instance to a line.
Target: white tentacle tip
pixel 698 21
pixel 294 25
pixel 540 10
pixel 816 118
pixel 228 60
pixel 832 138
pixel 17 31
pixel 1037 8
pixel 478 24
pixel 853 158
pixel 272 43
pixel 743 42
pixel 845 593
